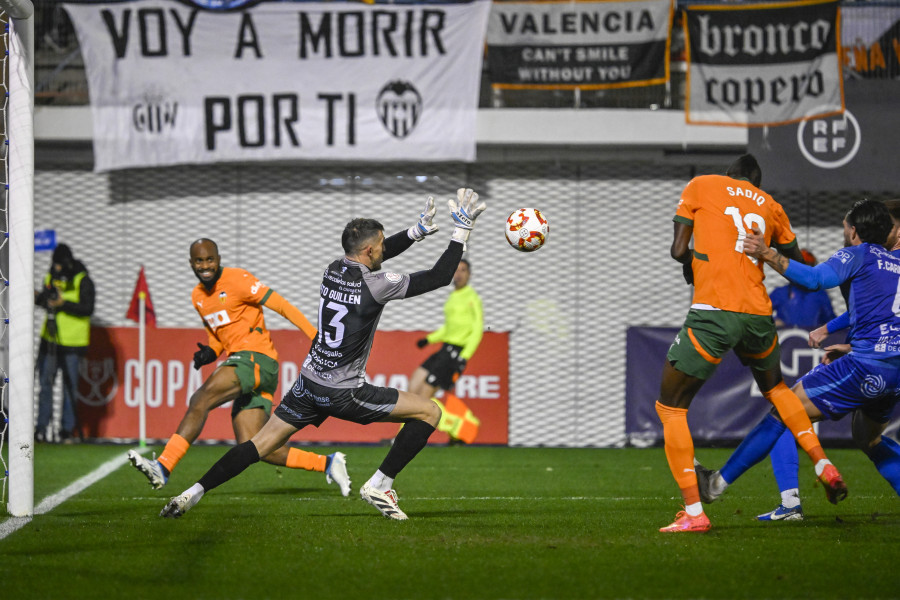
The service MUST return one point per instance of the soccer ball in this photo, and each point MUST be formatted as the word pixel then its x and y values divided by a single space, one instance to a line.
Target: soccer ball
pixel 527 229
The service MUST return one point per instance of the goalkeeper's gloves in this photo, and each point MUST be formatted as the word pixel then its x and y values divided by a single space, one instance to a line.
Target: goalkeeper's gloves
pixel 204 355
pixel 424 226
pixel 422 342
pixel 464 210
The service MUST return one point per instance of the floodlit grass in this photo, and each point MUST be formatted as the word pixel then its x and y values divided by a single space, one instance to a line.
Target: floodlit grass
pixel 484 523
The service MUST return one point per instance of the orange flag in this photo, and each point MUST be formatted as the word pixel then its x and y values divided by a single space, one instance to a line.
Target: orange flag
pixel 149 313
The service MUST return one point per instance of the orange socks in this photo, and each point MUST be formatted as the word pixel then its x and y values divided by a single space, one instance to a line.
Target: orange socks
pixel 794 416
pixel 177 447
pixel 679 450
pixel 308 461
pixel 175 450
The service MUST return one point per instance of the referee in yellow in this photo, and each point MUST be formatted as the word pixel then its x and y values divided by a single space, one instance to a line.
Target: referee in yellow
pixel 459 337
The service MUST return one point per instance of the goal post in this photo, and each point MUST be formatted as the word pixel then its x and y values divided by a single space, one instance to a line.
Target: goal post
pixel 20 215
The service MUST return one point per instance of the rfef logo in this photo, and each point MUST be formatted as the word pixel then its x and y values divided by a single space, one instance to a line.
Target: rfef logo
pixel 830 142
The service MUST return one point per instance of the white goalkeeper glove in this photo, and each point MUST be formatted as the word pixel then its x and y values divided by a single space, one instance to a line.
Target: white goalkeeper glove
pixel 464 211
pixel 424 226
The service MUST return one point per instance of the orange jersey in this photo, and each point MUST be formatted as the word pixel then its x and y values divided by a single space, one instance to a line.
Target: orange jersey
pixel 233 314
pixel 722 210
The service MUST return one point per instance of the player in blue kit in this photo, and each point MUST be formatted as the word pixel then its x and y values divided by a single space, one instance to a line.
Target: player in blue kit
pixel 864 382
pixel 785 461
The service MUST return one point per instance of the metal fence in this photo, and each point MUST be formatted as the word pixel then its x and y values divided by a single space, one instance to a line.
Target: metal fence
pixel 567 307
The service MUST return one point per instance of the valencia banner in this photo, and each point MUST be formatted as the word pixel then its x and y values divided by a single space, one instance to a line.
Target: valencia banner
pixel 588 45
pixel 763 64
pixel 177 83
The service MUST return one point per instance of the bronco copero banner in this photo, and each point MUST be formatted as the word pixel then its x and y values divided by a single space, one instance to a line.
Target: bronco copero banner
pixel 763 64
pixel 175 83
pixel 588 45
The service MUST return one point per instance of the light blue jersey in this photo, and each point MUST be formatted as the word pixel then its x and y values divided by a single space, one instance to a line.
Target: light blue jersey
pixel 874 294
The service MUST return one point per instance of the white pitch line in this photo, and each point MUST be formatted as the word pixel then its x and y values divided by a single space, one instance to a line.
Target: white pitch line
pixel 508 498
pixel 13 524
pixel 501 498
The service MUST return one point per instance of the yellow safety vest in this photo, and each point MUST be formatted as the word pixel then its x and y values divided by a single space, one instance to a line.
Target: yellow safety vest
pixel 72 331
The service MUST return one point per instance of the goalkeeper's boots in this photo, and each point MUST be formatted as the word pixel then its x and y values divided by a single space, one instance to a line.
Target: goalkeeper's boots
pixel 835 488
pixel 385 502
pixel 180 504
pixel 684 523
pixel 783 514
pixel 704 483
pixel 336 472
pixel 151 469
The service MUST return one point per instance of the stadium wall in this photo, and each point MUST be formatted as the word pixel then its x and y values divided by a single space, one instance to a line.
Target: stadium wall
pixel 606 265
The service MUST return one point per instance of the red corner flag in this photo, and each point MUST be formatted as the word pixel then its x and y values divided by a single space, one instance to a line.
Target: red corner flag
pixel 139 288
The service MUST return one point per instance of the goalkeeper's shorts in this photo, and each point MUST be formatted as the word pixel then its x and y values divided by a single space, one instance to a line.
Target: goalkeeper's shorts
pixel 308 403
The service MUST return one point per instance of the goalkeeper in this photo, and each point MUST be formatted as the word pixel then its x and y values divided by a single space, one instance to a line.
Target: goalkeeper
pixel 460 335
pixel 332 381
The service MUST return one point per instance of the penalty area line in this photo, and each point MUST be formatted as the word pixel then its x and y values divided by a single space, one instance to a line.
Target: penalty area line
pixel 14 524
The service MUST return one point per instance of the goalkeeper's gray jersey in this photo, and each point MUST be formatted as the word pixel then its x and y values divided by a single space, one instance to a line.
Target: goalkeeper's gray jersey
pixel 350 303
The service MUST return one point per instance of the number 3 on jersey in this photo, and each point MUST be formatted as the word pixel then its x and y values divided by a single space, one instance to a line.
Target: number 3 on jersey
pixel 338 312
pixel 743 224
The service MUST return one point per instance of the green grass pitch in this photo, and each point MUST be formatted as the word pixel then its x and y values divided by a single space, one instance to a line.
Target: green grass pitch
pixel 485 522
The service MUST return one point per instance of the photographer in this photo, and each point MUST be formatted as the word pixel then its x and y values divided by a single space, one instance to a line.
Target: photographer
pixel 68 297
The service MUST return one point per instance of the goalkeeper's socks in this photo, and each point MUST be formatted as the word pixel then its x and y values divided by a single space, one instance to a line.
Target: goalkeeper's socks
pixel 786 462
pixel 195 491
pixel 231 465
pixel 380 481
pixel 886 456
pixel 175 450
pixel 409 441
pixel 754 448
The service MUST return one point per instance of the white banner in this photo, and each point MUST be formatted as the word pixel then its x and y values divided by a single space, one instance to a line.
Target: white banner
pixel 172 84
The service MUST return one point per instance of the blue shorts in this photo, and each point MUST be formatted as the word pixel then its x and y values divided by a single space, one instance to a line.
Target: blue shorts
pixel 855 382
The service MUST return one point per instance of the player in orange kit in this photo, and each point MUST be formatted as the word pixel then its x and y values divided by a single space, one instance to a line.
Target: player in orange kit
pixel 730 310
pixel 230 302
